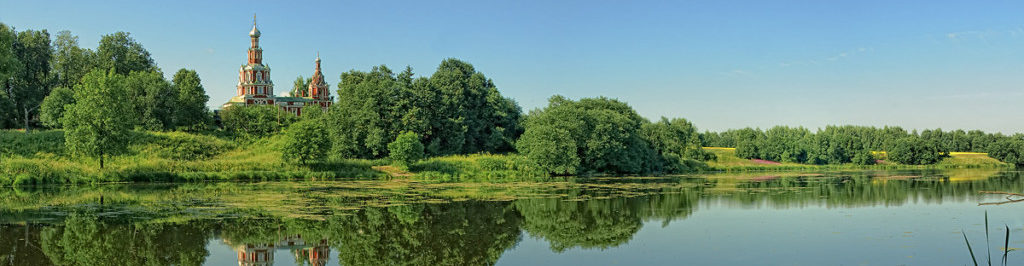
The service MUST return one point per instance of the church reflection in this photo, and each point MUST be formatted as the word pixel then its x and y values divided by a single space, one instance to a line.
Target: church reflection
pixel 314 253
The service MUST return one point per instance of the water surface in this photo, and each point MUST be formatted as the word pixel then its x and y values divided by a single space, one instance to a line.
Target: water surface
pixel 832 218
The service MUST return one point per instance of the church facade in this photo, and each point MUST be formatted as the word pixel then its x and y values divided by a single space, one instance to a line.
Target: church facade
pixel 256 88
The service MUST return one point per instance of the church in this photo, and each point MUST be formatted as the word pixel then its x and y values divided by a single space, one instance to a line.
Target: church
pixel 256 88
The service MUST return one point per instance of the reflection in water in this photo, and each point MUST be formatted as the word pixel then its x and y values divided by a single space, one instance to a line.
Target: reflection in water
pixel 456 232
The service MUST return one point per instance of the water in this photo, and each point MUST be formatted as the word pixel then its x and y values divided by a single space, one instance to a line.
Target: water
pixel 837 218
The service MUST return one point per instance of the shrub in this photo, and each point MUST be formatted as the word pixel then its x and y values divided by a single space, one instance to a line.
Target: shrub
pixel 306 141
pixel 406 149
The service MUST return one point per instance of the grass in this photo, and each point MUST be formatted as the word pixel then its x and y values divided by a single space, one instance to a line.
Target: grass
pixel 478 167
pixel 39 158
pixel 727 161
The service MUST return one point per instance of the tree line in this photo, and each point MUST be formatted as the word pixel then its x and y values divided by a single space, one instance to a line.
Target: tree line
pixel 862 144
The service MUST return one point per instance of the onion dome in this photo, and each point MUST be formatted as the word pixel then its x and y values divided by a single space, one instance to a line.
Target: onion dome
pixel 255 33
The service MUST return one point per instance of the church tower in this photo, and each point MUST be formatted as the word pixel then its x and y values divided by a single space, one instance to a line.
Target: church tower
pixel 254 84
pixel 318 89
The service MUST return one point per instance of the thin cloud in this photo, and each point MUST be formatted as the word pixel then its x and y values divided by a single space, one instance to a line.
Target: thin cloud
pixel 836 57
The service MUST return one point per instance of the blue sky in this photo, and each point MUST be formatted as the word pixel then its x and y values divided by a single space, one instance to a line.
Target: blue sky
pixel 721 64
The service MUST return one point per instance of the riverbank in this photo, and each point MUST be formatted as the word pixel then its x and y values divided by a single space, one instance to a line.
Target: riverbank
pixel 40 158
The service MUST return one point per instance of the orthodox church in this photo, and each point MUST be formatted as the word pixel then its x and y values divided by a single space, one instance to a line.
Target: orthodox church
pixel 256 88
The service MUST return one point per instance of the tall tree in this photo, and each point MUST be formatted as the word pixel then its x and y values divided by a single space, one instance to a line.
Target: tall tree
pixel 10 67
pixel 122 53
pixel 33 82
pixel 152 99
pixel 190 111
pixel 474 117
pixel 70 62
pixel 98 123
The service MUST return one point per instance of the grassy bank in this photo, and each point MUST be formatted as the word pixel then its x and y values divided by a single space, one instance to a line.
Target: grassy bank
pixel 727 161
pixel 477 167
pixel 40 158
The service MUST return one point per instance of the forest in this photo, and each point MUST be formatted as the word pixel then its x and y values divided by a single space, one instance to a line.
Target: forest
pixel 63 107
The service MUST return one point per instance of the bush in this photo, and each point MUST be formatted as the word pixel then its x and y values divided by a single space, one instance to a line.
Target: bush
pixel 306 141
pixel 406 149
pixel 179 145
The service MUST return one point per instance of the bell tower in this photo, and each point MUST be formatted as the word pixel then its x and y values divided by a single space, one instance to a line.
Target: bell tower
pixel 254 82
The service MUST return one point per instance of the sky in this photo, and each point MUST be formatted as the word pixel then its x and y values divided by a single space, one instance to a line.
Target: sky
pixel 721 64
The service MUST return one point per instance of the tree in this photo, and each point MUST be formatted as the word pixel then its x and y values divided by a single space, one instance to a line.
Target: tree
pixel 306 141
pixel 152 100
pixel 300 86
pixel 916 151
pixel 677 142
pixel 52 109
pixel 552 148
pixel 456 111
pixel 122 53
pixel 10 67
pixel 606 134
pixel 473 116
pixel 1008 150
pixel 190 111
pixel 255 121
pixel 33 82
pixel 406 149
pixel 70 62
pixel 99 121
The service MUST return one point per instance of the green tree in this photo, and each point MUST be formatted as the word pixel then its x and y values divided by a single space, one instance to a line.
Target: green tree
pixel 306 141
pixel 190 111
pixel 70 62
pixel 406 149
pixel 916 151
pixel 1009 150
pixel 10 67
pixel 52 109
pixel 152 99
pixel 552 148
pixel 33 82
pixel 606 133
pixel 474 117
pixel 255 121
pixel 122 53
pixel 456 110
pixel 99 121
pixel 678 143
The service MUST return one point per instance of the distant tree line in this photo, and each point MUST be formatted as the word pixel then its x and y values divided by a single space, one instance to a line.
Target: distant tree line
pixel 855 144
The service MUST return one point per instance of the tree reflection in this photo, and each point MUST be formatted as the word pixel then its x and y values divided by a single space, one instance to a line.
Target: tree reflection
pixel 87 240
pixel 459 233
pixel 600 223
